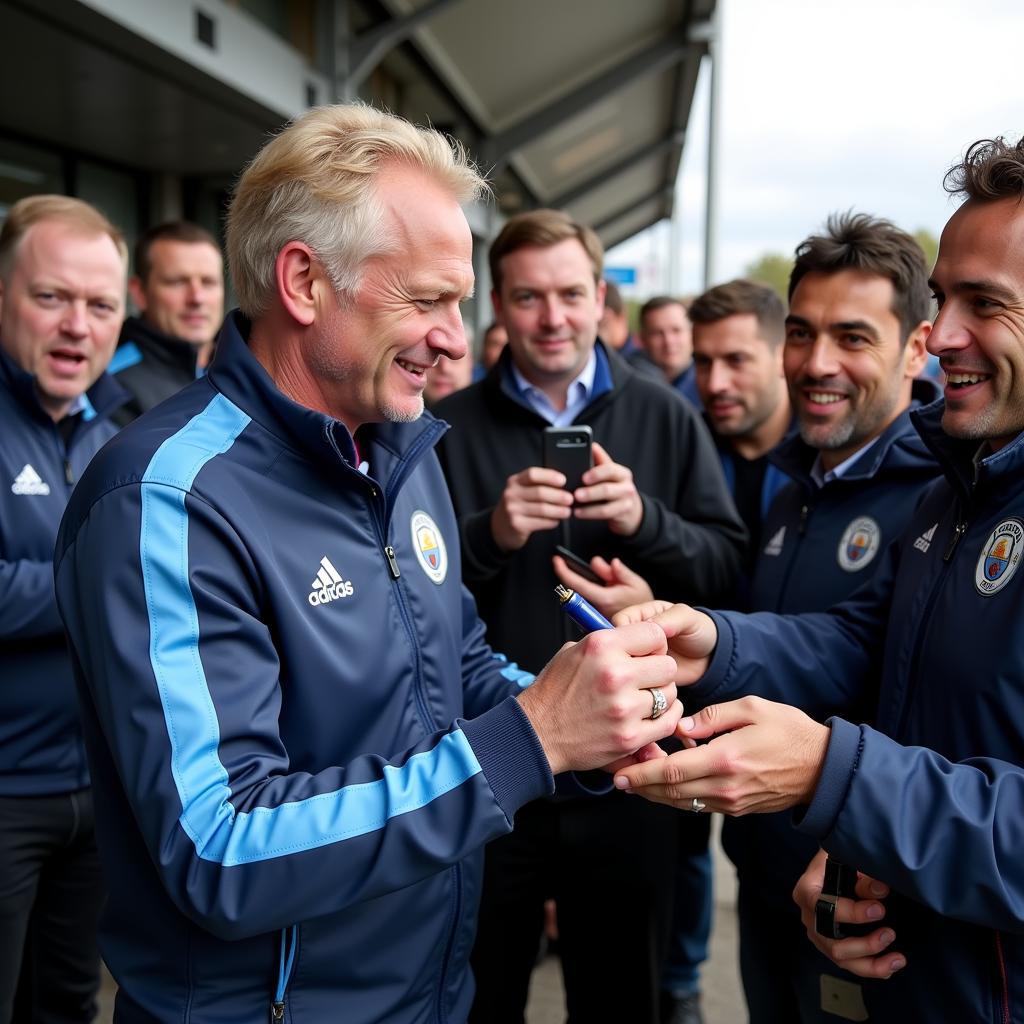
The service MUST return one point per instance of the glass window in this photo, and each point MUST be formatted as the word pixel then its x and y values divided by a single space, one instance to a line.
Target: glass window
pixel 113 192
pixel 26 171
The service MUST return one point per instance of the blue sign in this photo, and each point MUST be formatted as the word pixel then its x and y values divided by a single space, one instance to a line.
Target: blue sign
pixel 620 275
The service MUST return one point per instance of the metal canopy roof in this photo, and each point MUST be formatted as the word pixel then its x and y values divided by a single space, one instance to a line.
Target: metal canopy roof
pixel 581 104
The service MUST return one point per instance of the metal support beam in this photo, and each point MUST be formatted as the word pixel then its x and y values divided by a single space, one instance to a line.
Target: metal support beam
pixel 646 152
pixel 367 50
pixel 711 195
pixel 663 192
pixel 664 53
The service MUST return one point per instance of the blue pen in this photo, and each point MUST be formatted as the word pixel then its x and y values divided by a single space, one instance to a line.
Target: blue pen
pixel 582 612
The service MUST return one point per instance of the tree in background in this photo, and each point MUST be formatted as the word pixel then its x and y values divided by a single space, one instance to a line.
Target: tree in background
pixel 929 243
pixel 772 269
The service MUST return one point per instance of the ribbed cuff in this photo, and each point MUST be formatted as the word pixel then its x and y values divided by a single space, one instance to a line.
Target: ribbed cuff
pixel 841 759
pixel 510 755
pixel 702 692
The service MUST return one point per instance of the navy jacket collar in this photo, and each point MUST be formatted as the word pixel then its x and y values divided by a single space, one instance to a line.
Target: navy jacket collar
pixel 1001 471
pixel 103 397
pixel 899 446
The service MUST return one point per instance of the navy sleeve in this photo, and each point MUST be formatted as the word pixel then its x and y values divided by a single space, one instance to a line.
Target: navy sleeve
pixel 946 834
pixel 823 662
pixel 191 716
pixel 487 677
pixel 28 608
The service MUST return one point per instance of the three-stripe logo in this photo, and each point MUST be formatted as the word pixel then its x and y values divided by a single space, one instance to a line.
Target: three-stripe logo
pixel 328 585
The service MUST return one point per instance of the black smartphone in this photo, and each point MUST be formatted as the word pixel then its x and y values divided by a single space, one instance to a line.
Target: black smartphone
pixel 578 565
pixel 568 450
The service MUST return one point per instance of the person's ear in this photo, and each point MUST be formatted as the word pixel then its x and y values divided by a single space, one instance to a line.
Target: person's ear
pixel 915 355
pixel 137 293
pixel 298 276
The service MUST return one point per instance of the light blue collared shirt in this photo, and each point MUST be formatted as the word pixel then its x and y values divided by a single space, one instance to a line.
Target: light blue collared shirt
pixel 577 395
pixel 821 476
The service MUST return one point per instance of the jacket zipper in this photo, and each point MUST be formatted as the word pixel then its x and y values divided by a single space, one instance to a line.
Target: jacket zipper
pixel 380 525
pixel 453 925
pixel 805 513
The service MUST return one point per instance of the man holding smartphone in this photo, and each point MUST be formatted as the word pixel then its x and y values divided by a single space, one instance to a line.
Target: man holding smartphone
pixel 655 497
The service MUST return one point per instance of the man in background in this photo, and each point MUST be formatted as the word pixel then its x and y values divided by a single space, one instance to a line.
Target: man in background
pixel 615 332
pixel 178 289
pixel 665 333
pixel 738 330
pixel 62 293
pixel 448 375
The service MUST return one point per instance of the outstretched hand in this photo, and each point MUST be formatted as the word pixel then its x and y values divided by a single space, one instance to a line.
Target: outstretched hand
pixel 691 634
pixel 763 757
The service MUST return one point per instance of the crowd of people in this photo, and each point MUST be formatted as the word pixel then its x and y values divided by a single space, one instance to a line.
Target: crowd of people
pixel 291 725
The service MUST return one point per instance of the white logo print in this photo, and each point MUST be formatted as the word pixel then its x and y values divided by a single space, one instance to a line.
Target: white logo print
pixel 774 546
pixel 924 542
pixel 328 585
pixel 28 481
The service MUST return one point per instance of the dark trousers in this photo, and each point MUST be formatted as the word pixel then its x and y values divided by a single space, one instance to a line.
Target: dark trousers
pixel 781 969
pixel 693 906
pixel 51 893
pixel 608 862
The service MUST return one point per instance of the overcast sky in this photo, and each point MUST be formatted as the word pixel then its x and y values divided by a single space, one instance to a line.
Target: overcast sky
pixel 836 104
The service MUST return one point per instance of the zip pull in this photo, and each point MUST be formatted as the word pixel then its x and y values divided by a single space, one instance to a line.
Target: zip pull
pixel 389 553
pixel 805 514
pixel 958 531
pixel 288 942
pixel 69 473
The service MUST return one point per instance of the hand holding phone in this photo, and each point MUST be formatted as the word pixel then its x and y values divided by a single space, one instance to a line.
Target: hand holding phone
pixel 578 565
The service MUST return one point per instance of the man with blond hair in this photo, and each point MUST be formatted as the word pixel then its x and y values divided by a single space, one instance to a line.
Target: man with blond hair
pixel 300 740
pixel 62 284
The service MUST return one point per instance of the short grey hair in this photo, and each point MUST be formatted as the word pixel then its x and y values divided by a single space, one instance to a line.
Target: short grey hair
pixel 315 183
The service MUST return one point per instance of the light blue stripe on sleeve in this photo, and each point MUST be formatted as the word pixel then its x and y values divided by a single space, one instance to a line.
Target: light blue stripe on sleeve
pixel 514 674
pixel 208 817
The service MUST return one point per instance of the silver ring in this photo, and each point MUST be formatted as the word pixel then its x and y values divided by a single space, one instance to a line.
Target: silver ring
pixel 659 703
pixel 697 805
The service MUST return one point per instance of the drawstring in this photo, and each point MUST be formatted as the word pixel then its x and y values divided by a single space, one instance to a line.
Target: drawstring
pixel 289 940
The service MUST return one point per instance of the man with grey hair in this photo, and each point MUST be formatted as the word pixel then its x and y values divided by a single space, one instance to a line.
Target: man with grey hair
pixel 298 766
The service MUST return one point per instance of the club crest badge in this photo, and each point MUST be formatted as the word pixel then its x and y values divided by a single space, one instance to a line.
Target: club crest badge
pixel 429 546
pixel 1000 557
pixel 859 544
